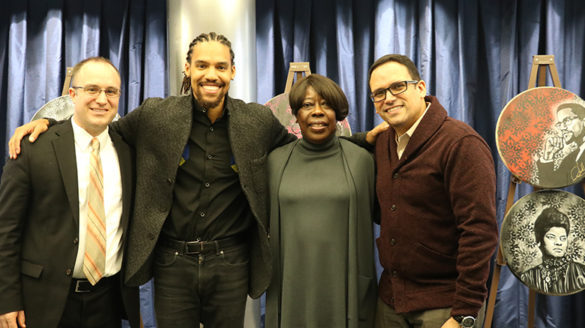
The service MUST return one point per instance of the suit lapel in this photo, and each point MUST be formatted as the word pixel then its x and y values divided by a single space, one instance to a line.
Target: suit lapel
pixel 64 147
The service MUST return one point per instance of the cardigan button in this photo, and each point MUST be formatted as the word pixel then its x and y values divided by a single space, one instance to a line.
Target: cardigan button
pixel 395 176
pixel 392 241
pixel 394 273
pixel 393 208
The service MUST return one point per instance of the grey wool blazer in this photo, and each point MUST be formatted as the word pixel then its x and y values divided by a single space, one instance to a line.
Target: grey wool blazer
pixel 159 130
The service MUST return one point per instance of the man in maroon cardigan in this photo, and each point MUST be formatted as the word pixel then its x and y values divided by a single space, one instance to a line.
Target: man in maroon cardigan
pixel 436 187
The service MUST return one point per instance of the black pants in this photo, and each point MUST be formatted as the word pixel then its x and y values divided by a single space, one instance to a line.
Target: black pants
pixel 101 307
pixel 209 287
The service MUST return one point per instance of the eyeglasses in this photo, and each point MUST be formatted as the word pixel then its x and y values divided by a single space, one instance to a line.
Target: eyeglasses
pixel 565 122
pixel 94 90
pixel 395 89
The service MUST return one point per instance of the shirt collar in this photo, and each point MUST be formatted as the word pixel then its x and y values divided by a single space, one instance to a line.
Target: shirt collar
pixel 83 138
pixel 408 134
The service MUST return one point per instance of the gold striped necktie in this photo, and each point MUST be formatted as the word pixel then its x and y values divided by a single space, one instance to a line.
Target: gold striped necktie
pixel 94 261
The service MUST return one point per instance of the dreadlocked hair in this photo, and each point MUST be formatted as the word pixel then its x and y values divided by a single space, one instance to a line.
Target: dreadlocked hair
pixel 204 37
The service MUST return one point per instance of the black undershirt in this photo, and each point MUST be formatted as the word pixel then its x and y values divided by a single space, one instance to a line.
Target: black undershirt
pixel 209 203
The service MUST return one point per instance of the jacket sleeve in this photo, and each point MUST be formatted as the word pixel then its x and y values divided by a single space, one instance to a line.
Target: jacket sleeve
pixel 280 135
pixel 14 198
pixel 359 139
pixel 472 191
pixel 128 125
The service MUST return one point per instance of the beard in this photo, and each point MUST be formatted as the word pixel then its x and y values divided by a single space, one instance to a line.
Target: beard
pixel 210 103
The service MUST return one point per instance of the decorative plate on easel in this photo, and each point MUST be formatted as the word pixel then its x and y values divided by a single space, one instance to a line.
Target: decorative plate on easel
pixel 280 106
pixel 540 137
pixel 543 241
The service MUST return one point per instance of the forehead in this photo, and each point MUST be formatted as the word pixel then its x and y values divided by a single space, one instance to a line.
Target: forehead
pixel 98 73
pixel 559 231
pixel 565 112
pixel 311 93
pixel 388 73
pixel 211 51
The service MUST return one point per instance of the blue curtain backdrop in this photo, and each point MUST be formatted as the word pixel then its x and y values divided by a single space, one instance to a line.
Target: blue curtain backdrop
pixel 40 38
pixel 474 55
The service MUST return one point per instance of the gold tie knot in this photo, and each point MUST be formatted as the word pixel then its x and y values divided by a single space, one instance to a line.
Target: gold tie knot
pixel 95 144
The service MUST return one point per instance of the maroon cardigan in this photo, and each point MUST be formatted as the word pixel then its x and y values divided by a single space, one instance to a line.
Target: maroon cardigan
pixel 438 216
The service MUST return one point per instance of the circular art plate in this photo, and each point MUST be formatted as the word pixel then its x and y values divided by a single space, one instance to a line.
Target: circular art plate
pixel 60 108
pixel 280 106
pixel 543 241
pixel 540 137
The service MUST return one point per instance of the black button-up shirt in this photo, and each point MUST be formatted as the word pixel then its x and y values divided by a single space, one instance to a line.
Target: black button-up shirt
pixel 209 203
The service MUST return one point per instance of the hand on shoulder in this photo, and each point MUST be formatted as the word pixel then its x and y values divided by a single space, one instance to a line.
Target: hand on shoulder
pixel 34 128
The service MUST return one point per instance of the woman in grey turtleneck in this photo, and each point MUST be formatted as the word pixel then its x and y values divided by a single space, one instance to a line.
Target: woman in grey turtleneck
pixel 321 196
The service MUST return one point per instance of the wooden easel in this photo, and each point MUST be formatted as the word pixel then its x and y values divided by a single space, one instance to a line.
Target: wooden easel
pixel 68 74
pixel 539 65
pixel 296 69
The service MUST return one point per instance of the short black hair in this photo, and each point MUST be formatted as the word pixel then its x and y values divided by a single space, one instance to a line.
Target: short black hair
pixel 324 87
pixel 401 59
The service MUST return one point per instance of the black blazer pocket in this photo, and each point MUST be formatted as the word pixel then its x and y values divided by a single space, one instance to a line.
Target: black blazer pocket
pixel 31 269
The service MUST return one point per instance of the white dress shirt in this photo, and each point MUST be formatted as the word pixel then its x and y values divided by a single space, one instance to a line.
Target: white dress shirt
pixel 402 141
pixel 112 198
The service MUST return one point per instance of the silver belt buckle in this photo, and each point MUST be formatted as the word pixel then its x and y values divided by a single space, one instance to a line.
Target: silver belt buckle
pixel 78 286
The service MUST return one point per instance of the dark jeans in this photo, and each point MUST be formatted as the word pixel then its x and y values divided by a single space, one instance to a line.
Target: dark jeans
pixel 210 287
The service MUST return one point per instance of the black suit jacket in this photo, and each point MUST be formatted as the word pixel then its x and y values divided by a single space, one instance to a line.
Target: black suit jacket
pixel 39 226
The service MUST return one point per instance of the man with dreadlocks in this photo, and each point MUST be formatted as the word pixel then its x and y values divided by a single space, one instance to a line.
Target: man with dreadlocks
pixel 200 211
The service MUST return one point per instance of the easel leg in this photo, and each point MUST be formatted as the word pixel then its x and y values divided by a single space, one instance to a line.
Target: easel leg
pixel 489 313
pixel 531 308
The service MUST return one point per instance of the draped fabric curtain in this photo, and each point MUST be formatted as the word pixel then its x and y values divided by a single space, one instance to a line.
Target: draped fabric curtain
pixel 40 38
pixel 475 56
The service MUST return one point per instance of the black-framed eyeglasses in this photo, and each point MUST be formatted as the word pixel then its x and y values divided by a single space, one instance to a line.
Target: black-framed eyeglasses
pixel 94 90
pixel 395 89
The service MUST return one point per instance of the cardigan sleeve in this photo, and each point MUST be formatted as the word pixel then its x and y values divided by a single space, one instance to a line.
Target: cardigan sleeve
pixel 472 191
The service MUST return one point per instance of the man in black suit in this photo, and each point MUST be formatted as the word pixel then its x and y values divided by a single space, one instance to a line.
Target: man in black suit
pixel 64 218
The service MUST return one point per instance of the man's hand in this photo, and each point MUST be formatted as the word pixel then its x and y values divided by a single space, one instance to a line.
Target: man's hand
pixel 34 128
pixel 372 135
pixel 552 145
pixel 451 323
pixel 10 319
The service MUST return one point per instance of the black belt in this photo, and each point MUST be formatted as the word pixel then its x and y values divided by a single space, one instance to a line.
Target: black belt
pixel 198 247
pixel 84 286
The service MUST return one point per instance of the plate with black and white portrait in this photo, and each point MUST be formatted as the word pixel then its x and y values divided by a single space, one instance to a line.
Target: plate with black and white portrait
pixel 543 241
pixel 540 136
